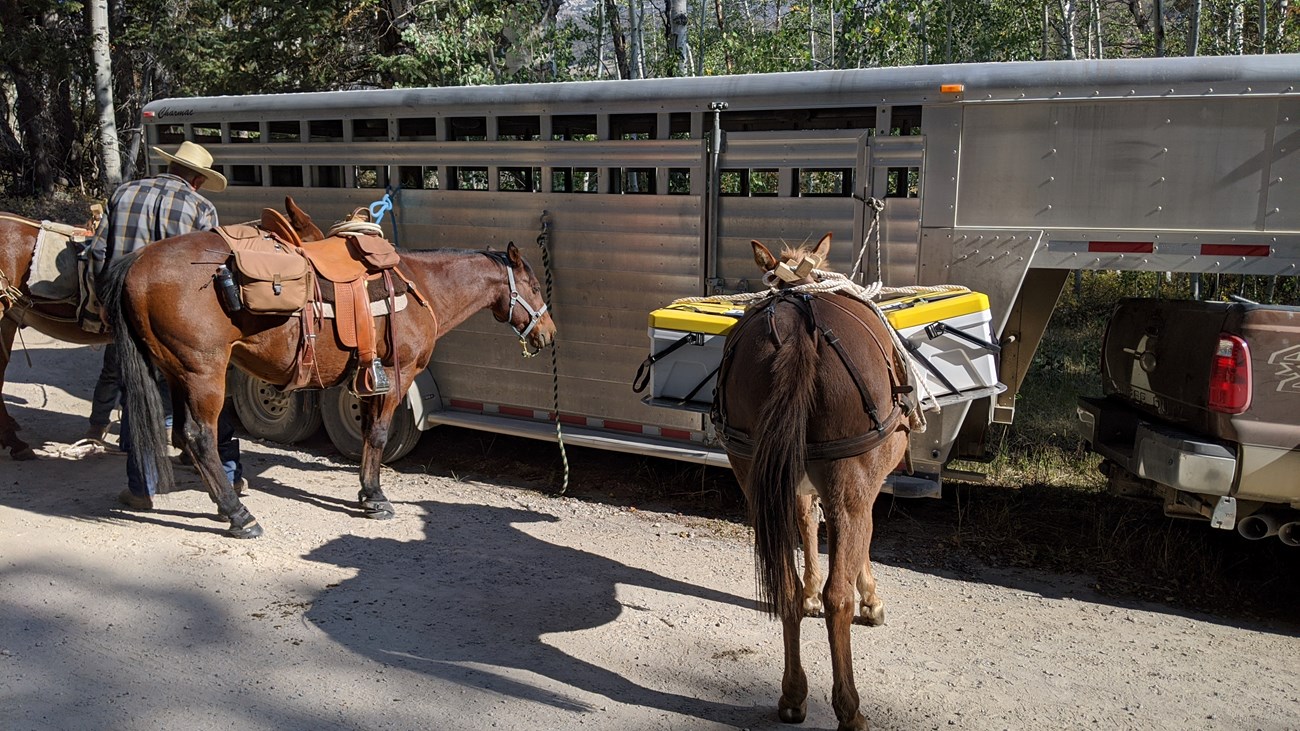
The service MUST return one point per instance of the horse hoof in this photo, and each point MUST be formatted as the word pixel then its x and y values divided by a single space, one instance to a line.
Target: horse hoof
pixel 872 616
pixel 378 510
pixel 793 714
pixel 249 530
pixel 859 723
pixel 24 454
pixel 812 606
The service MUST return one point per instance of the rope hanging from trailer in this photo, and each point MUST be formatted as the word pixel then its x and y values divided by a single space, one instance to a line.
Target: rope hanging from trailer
pixel 543 243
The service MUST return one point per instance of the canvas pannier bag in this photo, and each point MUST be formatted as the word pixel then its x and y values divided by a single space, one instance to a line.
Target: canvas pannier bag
pixel 374 251
pixel 272 282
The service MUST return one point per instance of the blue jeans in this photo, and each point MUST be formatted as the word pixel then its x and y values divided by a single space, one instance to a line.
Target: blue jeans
pixel 144 482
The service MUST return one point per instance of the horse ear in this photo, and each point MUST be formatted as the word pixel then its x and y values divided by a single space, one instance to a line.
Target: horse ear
pixel 763 257
pixel 823 248
pixel 297 216
pixel 512 252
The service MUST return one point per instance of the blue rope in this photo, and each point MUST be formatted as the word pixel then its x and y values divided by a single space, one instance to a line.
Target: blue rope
pixel 386 204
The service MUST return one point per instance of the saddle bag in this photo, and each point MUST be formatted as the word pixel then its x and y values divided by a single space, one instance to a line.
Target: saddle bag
pixel 374 251
pixel 272 281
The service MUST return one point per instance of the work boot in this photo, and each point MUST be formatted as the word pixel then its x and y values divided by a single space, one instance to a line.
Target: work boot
pixel 133 501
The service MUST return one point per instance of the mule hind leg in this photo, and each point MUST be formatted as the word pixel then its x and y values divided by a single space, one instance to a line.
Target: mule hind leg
pixel 812 575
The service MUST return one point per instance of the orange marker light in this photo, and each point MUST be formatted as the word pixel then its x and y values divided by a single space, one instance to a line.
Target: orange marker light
pixel 952 88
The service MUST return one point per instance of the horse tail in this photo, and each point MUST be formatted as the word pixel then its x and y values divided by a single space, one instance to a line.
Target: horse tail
pixel 147 420
pixel 780 453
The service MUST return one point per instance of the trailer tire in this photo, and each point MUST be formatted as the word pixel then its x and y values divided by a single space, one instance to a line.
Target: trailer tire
pixel 268 413
pixel 341 413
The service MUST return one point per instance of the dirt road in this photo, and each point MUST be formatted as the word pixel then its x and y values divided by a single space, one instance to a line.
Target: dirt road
pixel 502 606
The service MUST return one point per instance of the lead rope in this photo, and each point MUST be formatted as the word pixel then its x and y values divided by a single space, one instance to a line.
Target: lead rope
pixel 543 239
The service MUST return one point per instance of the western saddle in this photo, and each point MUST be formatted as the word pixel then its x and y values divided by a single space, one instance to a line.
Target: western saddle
pixel 356 280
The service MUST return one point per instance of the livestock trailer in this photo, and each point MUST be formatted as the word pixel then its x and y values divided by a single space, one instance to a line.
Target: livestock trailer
pixel 1002 177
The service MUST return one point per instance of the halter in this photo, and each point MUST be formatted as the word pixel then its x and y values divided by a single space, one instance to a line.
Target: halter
pixel 534 316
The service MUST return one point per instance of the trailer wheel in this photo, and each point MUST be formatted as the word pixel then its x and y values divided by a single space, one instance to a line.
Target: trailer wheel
pixel 268 413
pixel 341 412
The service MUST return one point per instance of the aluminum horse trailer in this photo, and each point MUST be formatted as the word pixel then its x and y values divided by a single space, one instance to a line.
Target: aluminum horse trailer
pixel 1002 177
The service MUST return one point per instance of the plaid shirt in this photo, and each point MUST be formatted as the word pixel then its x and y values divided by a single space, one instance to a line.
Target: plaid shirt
pixel 148 210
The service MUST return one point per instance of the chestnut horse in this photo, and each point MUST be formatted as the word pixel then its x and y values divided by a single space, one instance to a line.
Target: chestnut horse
pixel 809 401
pixel 17 309
pixel 167 315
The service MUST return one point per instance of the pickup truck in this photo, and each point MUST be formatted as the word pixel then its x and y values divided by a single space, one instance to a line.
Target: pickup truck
pixel 1201 408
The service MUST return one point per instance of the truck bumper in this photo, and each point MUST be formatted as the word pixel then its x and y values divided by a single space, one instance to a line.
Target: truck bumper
pixel 1154 451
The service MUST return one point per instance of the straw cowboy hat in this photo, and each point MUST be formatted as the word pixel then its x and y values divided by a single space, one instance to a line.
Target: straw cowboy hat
pixel 194 157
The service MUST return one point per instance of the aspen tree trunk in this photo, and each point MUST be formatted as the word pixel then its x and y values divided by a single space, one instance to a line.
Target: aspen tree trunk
pixel 110 153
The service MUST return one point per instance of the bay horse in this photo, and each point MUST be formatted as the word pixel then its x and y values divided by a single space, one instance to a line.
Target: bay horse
pixel 167 315
pixel 18 236
pixel 810 402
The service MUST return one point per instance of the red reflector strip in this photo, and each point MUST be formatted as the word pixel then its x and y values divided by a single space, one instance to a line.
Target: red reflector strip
pixel 466 405
pixel 623 426
pixel 1235 250
pixel 1122 247
pixel 676 434
pixel 516 411
pixel 573 419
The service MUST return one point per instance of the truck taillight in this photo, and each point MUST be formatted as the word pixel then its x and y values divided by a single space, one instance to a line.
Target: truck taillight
pixel 1230 376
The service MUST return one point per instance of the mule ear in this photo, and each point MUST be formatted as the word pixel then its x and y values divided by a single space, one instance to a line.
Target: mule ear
pixel 763 257
pixel 823 249
pixel 512 253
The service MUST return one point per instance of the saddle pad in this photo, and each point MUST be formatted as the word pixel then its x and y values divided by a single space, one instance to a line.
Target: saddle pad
pixel 375 290
pixel 53 273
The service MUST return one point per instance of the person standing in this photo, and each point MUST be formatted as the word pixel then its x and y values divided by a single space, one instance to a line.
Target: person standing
pixel 140 213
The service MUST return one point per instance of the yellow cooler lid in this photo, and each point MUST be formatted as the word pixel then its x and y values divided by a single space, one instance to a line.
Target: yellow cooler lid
pixel 906 312
pixel 710 318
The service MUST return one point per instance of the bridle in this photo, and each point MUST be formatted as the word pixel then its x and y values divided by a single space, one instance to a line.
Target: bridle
pixel 534 316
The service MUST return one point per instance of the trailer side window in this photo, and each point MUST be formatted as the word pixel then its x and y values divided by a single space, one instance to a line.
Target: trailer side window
pixel 522 129
pixel 369 176
pixel 632 180
pixel 679 126
pixel 679 181
pixel 325 130
pixel 284 131
pixel 206 133
pixel 287 176
pixel 763 182
pixel 575 180
pixel 327 176
pixel 903 183
pixel 418 177
pixel 417 128
pixel 832 182
pixel 780 120
pixel 245 132
pixel 370 130
pixel 733 182
pixel 632 126
pixel 525 180
pixel 244 174
pixel 467 129
pixel 468 178
pixel 573 127
pixel 171 134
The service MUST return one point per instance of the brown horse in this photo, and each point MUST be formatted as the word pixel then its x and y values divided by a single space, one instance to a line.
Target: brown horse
pixel 17 309
pixel 810 401
pixel 165 309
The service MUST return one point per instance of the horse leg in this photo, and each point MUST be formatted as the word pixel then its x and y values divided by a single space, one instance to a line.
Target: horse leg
pixel 203 401
pixel 376 416
pixel 812 576
pixel 871 609
pixel 847 498
pixel 18 449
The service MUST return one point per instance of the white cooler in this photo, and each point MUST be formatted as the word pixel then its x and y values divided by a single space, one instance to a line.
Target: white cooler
pixel 685 351
pixel 951 336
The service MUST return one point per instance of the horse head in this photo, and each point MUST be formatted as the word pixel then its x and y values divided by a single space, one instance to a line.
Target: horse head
pixel 795 266
pixel 523 307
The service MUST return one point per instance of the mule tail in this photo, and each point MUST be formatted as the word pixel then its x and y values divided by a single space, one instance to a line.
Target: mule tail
pixel 139 379
pixel 780 453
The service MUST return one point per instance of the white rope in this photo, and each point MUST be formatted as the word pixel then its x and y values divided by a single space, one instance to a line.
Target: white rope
pixel 364 228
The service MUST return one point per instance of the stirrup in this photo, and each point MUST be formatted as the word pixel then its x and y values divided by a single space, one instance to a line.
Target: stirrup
pixel 372 381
